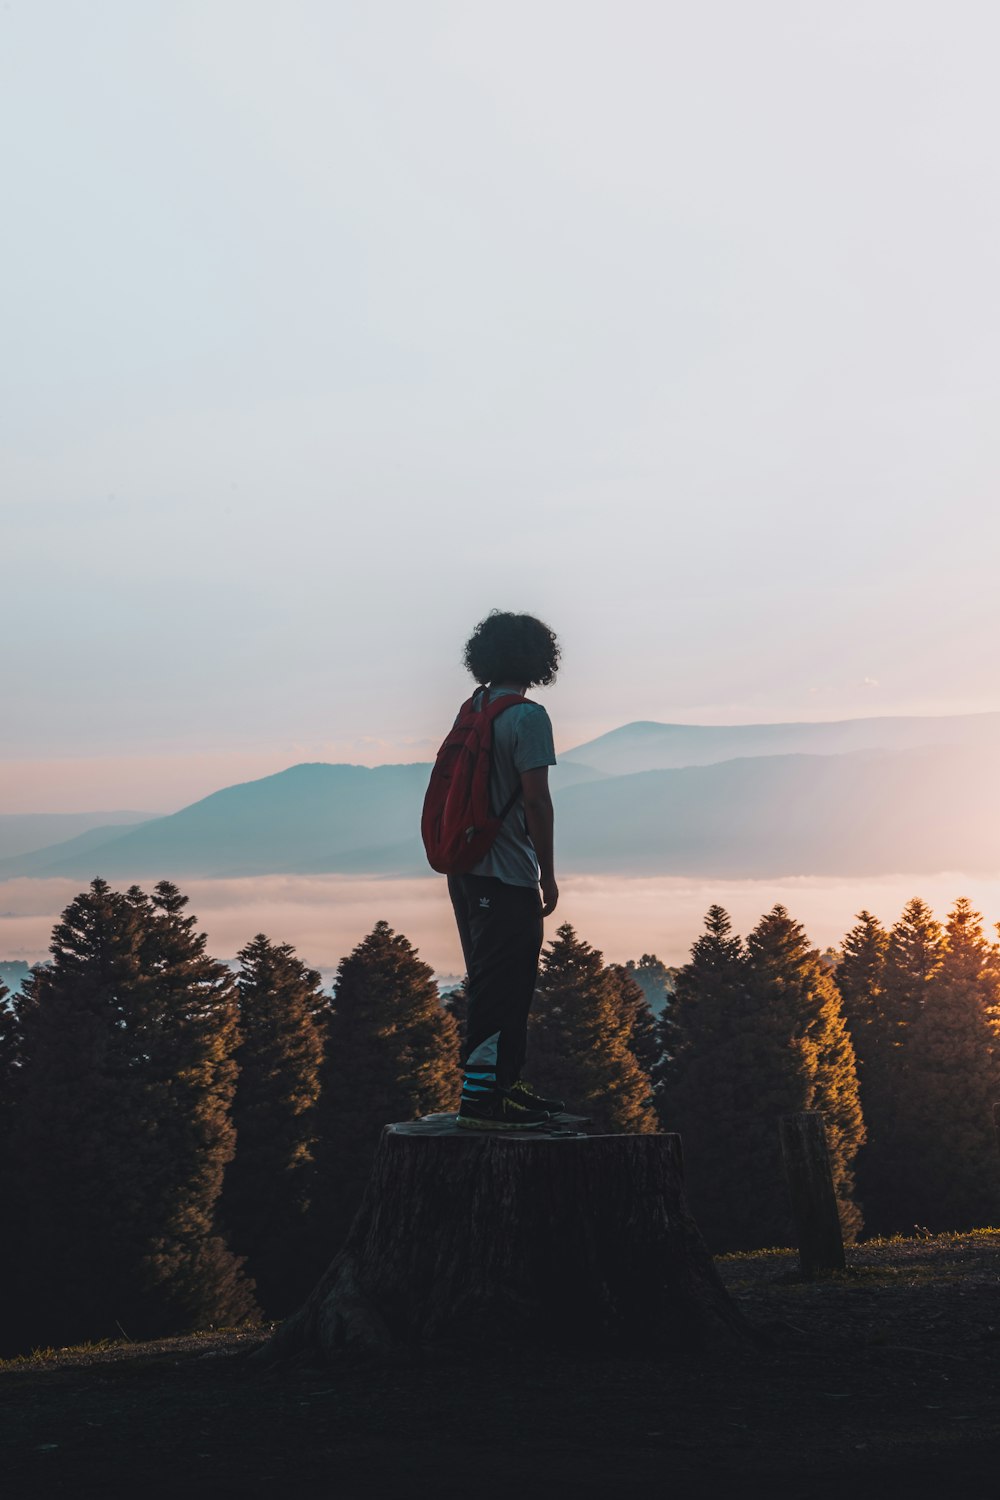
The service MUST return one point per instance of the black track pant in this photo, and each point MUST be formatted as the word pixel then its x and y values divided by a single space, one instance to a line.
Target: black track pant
pixel 501 930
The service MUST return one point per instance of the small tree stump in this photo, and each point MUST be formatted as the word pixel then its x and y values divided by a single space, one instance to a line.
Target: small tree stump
pixel 810 1187
pixel 555 1238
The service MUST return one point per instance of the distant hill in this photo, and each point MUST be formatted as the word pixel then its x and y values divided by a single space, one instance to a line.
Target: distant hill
pixel 310 817
pixel 647 746
pixel 871 812
pixel 313 818
pixel 38 861
pixel 570 773
pixel 911 812
pixel 20 833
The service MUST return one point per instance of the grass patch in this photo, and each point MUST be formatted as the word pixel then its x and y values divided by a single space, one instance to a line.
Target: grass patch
pixel 126 1348
pixel 734 1256
pixel 47 1356
pixel 988 1237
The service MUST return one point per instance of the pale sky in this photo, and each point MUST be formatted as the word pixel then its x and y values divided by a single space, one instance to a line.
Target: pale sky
pixel 326 328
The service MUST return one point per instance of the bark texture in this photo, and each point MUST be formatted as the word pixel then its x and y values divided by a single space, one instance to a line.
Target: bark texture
pixel 558 1238
pixel 812 1194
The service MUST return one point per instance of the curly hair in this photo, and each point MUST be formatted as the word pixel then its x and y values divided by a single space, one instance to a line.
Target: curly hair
pixel 512 648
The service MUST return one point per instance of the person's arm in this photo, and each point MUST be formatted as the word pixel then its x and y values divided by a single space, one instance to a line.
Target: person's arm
pixel 540 821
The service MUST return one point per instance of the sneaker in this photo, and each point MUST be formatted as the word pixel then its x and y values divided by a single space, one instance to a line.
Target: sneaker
pixel 497 1111
pixel 524 1094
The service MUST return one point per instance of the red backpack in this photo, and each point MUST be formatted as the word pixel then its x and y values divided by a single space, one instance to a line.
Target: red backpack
pixel 457 825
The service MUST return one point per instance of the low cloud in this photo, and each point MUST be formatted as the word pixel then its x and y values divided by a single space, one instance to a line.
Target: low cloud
pixel 325 916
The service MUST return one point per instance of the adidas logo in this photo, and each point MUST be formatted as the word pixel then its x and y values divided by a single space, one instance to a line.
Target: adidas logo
pixel 485 901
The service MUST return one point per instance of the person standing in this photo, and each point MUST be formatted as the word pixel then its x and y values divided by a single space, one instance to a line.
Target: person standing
pixel 501 902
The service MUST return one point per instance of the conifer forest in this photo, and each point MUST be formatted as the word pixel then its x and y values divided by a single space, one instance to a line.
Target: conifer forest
pixel 184 1143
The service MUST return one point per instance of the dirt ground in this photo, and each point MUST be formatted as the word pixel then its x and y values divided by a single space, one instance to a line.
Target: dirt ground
pixel 880 1382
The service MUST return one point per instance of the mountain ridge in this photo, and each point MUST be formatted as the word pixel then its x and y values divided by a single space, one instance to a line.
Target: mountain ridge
pixel 895 807
pixel 861 813
pixel 649 745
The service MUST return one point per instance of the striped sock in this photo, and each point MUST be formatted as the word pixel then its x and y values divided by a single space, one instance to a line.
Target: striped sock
pixel 480 1078
pixel 478 1084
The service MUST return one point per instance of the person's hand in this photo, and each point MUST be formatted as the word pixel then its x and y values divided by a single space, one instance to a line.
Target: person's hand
pixel 550 896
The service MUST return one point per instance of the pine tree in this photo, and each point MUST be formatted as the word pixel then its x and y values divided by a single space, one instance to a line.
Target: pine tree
pixel 947 1145
pixel 578 1039
pixel 269 1183
pixel 642 1030
pixel 71 1022
pixel 860 977
pixel 877 1037
pixel 390 1053
pixel 799 1003
pixel 916 945
pixel 122 1128
pixel 191 1010
pixel 758 1033
pixel 912 959
pixel 702 1088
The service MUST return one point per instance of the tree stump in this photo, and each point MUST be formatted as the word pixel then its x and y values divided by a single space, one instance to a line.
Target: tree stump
pixel 549 1237
pixel 810 1187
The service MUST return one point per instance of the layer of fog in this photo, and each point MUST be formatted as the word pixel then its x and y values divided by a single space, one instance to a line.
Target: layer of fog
pixel 324 916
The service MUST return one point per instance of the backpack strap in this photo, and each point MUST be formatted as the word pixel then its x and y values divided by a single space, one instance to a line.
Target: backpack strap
pixel 509 804
pixel 515 795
